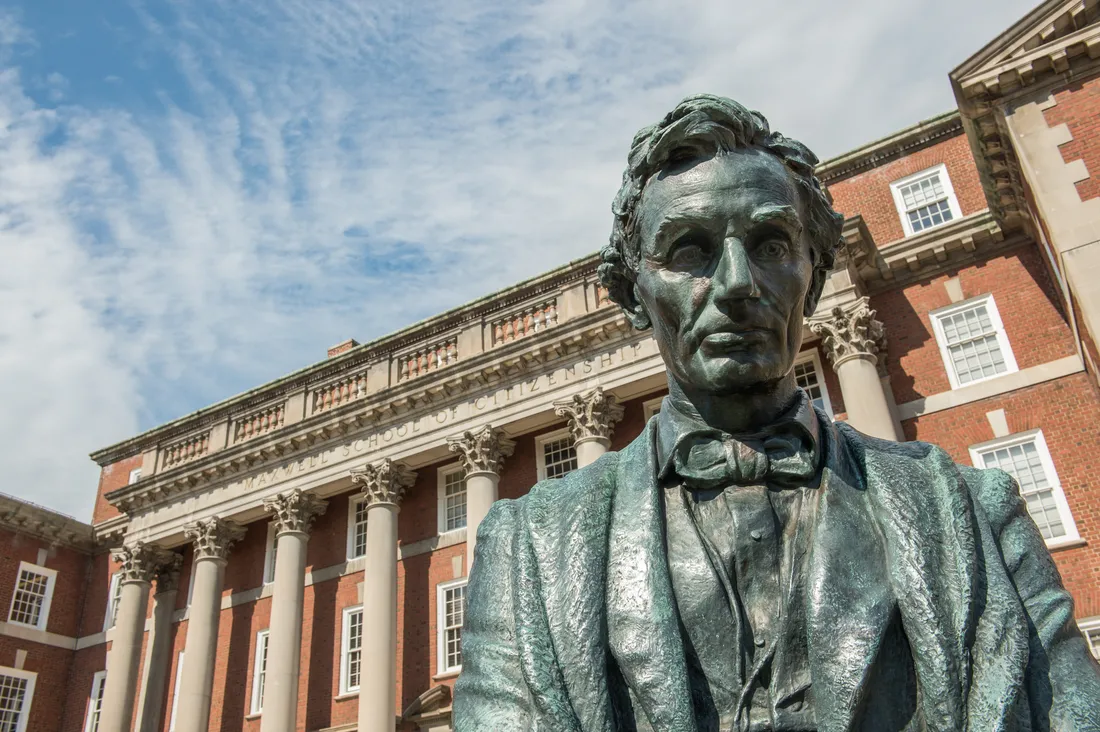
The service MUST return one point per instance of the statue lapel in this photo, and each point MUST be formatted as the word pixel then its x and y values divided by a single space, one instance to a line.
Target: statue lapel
pixel 848 603
pixel 642 621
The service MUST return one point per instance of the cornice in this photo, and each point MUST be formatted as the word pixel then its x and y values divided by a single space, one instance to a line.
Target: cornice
pixel 501 365
pixel 578 270
pixel 889 148
pixel 30 519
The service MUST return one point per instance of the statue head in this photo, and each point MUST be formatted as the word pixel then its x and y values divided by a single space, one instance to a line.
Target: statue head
pixel 722 242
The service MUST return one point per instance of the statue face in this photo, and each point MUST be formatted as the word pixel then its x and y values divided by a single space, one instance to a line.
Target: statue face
pixel 725 268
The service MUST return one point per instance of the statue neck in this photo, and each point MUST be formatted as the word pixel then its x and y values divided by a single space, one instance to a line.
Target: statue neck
pixel 736 413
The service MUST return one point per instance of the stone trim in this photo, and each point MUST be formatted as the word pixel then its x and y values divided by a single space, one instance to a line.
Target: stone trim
pixel 482 451
pixel 384 482
pixel 592 415
pixel 886 149
pixel 992 387
pixel 294 511
pixel 51 527
pixel 213 537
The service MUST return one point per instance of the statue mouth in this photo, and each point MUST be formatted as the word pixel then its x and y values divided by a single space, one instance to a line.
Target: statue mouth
pixel 734 340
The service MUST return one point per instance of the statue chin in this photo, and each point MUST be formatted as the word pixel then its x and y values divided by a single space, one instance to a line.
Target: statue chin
pixel 730 377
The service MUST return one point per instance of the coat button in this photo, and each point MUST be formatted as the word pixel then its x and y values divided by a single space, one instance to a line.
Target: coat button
pixel 756 534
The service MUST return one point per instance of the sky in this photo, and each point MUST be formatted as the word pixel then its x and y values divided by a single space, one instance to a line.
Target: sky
pixel 199 196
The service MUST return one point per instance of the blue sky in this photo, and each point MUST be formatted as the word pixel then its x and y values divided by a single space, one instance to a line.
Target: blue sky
pixel 198 196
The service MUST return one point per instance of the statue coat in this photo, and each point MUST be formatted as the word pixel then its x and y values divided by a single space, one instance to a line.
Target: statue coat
pixel 572 623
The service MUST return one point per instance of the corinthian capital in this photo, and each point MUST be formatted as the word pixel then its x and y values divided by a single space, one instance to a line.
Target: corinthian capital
pixel 592 415
pixel 853 332
pixel 168 573
pixel 141 562
pixel 384 481
pixel 294 511
pixel 482 451
pixel 213 537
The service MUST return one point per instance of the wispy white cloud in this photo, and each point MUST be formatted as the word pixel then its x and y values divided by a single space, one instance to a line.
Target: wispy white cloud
pixel 318 170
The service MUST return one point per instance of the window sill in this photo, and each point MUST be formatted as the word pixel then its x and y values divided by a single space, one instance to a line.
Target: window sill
pixel 253 716
pixel 1055 545
pixel 447 675
pixel 346 695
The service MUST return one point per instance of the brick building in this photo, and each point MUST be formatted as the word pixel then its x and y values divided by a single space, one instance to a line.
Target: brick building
pixel 269 581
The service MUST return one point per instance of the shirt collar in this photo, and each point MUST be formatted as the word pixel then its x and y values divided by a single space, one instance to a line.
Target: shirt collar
pixel 672 424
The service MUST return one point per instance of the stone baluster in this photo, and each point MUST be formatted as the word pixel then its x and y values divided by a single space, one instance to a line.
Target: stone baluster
pixel 855 343
pixel 384 484
pixel 482 452
pixel 294 513
pixel 212 539
pixel 139 564
pixel 158 652
pixel 592 418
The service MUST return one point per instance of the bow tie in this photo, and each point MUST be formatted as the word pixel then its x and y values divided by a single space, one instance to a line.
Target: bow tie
pixel 711 459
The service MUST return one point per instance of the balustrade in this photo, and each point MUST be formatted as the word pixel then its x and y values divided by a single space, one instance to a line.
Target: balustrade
pixel 525 322
pixel 428 358
pixel 187 449
pixel 259 422
pixel 340 392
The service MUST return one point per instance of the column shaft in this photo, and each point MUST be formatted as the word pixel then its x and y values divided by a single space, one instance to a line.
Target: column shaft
pixel 122 662
pixel 864 398
pixel 154 677
pixel 284 640
pixel 589 449
pixel 378 679
pixel 197 677
pixel 481 492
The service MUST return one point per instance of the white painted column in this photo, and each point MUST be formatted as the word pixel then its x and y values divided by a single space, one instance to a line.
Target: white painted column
pixel 294 513
pixel 855 344
pixel 384 484
pixel 482 452
pixel 139 563
pixel 158 653
pixel 212 539
pixel 592 418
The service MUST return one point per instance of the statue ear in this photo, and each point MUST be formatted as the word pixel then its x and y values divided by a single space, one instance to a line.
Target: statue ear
pixel 817 284
pixel 637 313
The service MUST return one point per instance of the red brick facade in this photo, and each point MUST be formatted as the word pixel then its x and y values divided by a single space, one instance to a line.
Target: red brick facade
pixel 1059 396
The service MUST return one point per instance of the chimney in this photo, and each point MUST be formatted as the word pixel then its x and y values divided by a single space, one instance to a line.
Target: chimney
pixel 344 347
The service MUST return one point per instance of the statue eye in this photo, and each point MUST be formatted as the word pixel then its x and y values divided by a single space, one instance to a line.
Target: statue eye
pixel 772 248
pixel 690 252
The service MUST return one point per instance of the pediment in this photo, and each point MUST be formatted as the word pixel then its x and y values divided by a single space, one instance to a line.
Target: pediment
pixel 1049 39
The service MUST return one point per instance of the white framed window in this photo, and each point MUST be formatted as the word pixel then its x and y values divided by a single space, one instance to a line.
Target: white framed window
pixel 1091 630
pixel 652 408
pixel 450 605
pixel 259 672
pixel 16 694
pixel 351 649
pixel 925 200
pixel 1025 457
pixel 972 341
pixel 809 376
pixel 30 603
pixel 452 498
pixel 114 594
pixel 556 453
pixel 135 476
pixel 95 702
pixel 269 554
pixel 176 692
pixel 357 527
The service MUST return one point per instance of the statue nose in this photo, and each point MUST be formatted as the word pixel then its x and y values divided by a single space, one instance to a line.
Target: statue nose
pixel 734 277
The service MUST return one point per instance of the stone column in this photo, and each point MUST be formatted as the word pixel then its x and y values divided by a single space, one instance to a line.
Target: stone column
pixel 212 539
pixel 158 654
pixel 294 512
pixel 592 418
pixel 139 564
pixel 855 344
pixel 384 484
pixel 482 454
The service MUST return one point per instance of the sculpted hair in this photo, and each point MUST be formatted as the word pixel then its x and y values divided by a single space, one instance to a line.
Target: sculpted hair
pixel 701 126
